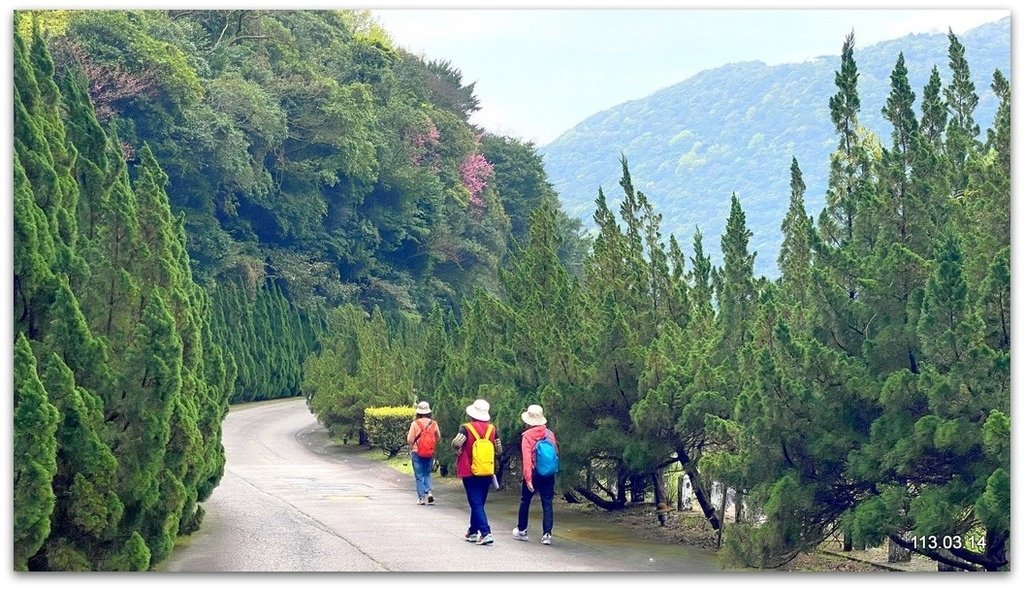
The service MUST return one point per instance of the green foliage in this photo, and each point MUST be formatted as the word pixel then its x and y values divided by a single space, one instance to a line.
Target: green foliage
pixel 293 143
pixel 366 247
pixel 363 362
pixel 386 427
pixel 736 128
pixel 35 449
pixel 107 300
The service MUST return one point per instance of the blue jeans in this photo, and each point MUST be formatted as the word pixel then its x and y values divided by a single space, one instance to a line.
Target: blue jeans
pixel 476 493
pixel 545 486
pixel 421 468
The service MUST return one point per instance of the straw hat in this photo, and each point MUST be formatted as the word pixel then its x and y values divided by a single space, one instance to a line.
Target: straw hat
pixel 480 410
pixel 423 408
pixel 534 415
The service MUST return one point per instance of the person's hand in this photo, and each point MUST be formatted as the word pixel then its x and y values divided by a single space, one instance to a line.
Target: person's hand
pixel 530 487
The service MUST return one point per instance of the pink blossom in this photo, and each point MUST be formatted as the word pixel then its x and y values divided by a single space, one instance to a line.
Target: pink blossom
pixel 424 146
pixel 476 171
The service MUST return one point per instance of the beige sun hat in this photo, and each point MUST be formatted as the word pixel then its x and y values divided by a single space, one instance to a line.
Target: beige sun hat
pixel 480 410
pixel 534 415
pixel 422 408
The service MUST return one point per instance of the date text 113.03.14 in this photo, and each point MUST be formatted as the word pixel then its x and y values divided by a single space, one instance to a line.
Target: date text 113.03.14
pixel 949 542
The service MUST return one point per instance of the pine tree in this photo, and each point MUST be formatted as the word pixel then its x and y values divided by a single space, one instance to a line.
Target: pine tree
pixel 934 113
pixel 961 134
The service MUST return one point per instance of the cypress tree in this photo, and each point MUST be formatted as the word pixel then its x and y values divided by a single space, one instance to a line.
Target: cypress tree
pixel 33 254
pixel 140 412
pixel 34 456
pixel 87 510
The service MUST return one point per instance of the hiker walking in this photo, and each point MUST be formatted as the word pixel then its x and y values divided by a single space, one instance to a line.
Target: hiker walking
pixel 422 439
pixel 540 464
pixel 476 445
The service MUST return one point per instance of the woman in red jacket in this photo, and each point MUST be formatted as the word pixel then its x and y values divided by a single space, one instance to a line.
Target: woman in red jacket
pixel 477 484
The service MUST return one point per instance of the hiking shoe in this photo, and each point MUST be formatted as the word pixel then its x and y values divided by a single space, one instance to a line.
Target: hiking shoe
pixel 430 497
pixel 519 534
pixel 472 537
pixel 485 539
pixel 545 539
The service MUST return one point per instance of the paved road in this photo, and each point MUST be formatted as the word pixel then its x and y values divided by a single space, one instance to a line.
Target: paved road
pixel 293 501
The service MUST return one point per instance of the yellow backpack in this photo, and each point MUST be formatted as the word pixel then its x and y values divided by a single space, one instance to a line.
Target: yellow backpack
pixel 481 452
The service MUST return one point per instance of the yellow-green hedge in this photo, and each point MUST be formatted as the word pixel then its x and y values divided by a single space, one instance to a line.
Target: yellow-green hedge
pixel 386 427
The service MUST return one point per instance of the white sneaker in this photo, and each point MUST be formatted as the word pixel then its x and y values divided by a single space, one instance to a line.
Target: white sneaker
pixel 485 539
pixel 520 534
pixel 545 539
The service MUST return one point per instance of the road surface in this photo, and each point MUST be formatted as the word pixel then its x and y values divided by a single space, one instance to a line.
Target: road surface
pixel 292 500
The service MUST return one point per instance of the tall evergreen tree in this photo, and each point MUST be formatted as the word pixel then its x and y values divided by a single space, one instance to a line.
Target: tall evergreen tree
pixel 934 113
pixel 962 132
pixel 34 456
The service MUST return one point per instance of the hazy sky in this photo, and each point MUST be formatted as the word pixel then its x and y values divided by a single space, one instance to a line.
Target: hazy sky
pixel 539 72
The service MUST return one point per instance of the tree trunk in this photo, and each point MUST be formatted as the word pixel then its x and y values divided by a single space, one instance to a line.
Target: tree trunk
pixel 721 527
pixel 599 501
pixel 679 491
pixel 898 553
pixel 698 489
pixel 659 498
pixel 738 498
pixel 847 541
pixel 571 497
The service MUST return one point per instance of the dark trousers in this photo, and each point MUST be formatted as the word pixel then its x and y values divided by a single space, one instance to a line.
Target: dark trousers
pixel 545 486
pixel 476 493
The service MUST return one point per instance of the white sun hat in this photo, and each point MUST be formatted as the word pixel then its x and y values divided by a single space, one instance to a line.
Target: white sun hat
pixel 534 415
pixel 480 409
pixel 423 408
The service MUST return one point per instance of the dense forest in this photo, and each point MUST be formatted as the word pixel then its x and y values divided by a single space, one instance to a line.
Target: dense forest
pixel 195 191
pixel 221 206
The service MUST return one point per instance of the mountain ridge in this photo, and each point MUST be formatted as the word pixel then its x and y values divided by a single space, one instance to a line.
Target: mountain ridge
pixel 735 128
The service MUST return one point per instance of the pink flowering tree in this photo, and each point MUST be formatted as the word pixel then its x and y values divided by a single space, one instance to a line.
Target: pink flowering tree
pixel 476 171
pixel 425 152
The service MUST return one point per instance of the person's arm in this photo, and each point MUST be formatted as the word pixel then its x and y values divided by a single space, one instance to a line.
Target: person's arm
pixel 527 447
pixel 459 439
pixel 411 436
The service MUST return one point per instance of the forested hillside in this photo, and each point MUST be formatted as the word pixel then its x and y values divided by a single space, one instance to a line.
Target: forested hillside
pixel 864 393
pixel 735 129
pixel 222 206
pixel 304 147
pixel 195 192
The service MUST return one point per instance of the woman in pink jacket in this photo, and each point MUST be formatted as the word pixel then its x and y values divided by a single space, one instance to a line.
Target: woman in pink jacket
pixel 533 481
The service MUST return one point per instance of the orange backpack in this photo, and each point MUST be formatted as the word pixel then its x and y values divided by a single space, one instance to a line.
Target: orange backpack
pixel 426 440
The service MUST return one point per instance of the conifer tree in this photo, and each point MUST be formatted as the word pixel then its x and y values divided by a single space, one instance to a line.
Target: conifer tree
pixel 87 510
pixel 33 254
pixel 841 246
pixel 961 99
pixel 934 113
pixel 795 254
pixel 34 456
